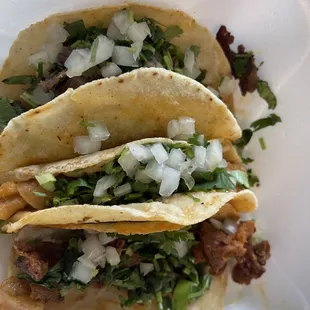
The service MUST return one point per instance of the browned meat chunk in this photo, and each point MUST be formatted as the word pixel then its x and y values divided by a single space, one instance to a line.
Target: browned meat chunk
pixel 41 293
pixel 219 247
pixel 36 259
pixel 53 80
pixel 251 265
pixel 198 253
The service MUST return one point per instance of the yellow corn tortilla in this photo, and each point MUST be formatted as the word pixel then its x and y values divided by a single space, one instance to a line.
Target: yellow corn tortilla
pixel 135 105
pixel 29 41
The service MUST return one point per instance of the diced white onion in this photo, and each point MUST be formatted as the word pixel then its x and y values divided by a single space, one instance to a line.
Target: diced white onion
pixel 137 32
pixel 56 33
pixel 146 268
pixel 92 244
pixel 141 152
pixel 98 132
pixel 84 145
pixel 214 154
pixel 137 48
pixel 159 152
pixel 142 177
pixel 52 51
pixel 42 97
pixel 214 91
pixel 187 125
pixel 155 170
pixel 122 190
pixel 216 223
pixel 175 159
pixel 78 62
pixel 114 33
pixel 101 260
pixel 105 239
pixel 228 86
pixel 129 163
pixel 223 164
pixel 189 60
pixel 189 166
pixel 246 216
pixel 194 74
pixel 201 139
pixel 200 153
pixel 112 256
pixel 35 59
pixel 173 128
pixel 122 20
pixel 111 69
pixel 181 248
pixel 81 272
pixel 230 227
pixel 188 180
pixel 86 261
pixel 124 57
pixel 170 182
pixel 104 49
pixel 103 184
pixel 96 254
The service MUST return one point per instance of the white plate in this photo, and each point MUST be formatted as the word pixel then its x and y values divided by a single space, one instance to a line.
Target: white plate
pixel 278 32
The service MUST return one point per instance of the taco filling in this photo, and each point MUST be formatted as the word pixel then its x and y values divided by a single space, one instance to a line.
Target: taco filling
pixel 172 269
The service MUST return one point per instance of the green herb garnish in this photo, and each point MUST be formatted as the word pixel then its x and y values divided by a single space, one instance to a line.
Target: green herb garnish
pixel 172 32
pixel 266 93
pixel 270 120
pixel 262 143
pixel 21 80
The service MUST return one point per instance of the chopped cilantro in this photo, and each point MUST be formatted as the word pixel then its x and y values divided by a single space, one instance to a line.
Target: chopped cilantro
pixel 270 120
pixel 21 80
pixel 86 124
pixel 172 32
pixel 266 93
pixel 262 143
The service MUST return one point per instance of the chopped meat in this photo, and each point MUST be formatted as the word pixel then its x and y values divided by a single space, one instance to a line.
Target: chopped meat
pixel 10 205
pixel 251 265
pixel 118 244
pixel 198 253
pixel 219 247
pixel 44 294
pixel 74 83
pixel 36 259
pixel 63 55
pixel 15 286
pixel 248 75
pixel 8 189
pixel 53 80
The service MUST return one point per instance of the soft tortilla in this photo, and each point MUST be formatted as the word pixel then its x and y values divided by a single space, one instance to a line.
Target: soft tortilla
pixel 135 105
pixel 29 41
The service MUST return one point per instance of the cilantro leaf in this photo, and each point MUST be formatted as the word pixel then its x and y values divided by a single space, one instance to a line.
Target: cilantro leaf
pixel 241 63
pixel 245 139
pixel 266 93
pixel 241 177
pixel 270 120
pixel 7 112
pixel 86 124
pixel 172 32
pixel 76 30
pixel 21 80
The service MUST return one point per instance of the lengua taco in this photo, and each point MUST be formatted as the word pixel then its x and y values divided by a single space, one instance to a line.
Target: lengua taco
pixel 91 269
pixel 156 179
pixel 135 105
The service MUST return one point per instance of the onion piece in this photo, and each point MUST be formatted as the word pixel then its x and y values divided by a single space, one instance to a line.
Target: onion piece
pixel 170 182
pixel 86 261
pixel 230 227
pixel 98 132
pixel 142 177
pixel 101 260
pixel 155 170
pixel 122 20
pixel 114 33
pixel 137 32
pixel 222 164
pixel 146 268
pixel 111 69
pixel 78 62
pixel 92 244
pixel 188 180
pixel 137 48
pixel 187 125
pixel 200 153
pixel 173 129
pixel 35 59
pixel 52 51
pixel 181 248
pixel 159 153
pixel 103 184
pixel 214 154
pixel 129 163
pixel 189 60
pixel 141 152
pixel 81 272
pixel 216 223
pixel 124 57
pixel 201 140
pixel 46 180
pixel 189 166
pixel 84 145
pixel 122 190
pixel 112 256
pixel 105 239
pixel 104 49
pixel 56 33
pixel 175 158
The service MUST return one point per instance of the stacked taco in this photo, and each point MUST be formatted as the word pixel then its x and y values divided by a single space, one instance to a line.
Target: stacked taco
pixel 125 192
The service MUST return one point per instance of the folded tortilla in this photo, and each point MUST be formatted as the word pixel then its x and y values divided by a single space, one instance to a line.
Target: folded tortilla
pixel 178 209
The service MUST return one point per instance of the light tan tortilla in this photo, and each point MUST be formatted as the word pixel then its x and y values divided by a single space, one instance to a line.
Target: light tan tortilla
pixel 133 106
pixel 29 41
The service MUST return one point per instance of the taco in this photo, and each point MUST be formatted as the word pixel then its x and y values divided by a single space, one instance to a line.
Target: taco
pixel 84 267
pixel 156 179
pixel 132 106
